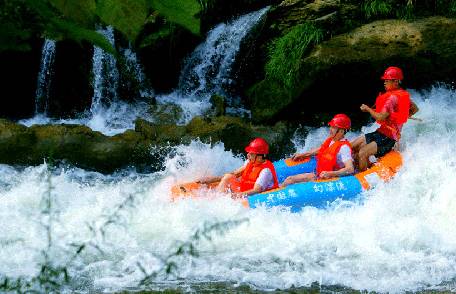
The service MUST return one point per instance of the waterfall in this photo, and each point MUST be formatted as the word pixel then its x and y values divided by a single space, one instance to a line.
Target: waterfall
pixel 105 74
pixel 44 77
pixel 134 67
pixel 208 70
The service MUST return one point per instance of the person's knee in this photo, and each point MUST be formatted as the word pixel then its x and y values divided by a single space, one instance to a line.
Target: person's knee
pixel 365 153
pixel 358 142
pixel 227 177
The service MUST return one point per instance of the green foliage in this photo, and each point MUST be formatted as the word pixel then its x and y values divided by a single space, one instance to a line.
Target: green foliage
pixel 52 24
pixel 452 9
pixel 406 11
pixel 127 16
pixel 285 54
pixel 377 8
pixel 15 20
pixel 182 12
pixel 75 19
pixel 154 37
pixel 446 7
pixel 69 30
pixel 82 11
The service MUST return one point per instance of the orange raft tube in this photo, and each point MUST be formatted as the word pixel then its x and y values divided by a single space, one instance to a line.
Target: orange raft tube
pixel 318 193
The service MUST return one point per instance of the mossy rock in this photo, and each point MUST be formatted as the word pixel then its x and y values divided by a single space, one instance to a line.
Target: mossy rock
pixel 82 147
pixel 165 113
pixel 160 133
pixel 15 141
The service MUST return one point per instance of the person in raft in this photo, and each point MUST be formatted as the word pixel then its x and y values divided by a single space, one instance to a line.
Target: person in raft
pixel 392 109
pixel 334 156
pixel 256 175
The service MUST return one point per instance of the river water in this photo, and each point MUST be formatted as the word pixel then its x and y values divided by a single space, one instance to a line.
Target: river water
pixel 121 231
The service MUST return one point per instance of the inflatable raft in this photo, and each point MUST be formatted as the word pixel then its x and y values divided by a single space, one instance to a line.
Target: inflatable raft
pixel 319 193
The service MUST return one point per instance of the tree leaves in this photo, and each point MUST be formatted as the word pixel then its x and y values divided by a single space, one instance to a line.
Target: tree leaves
pixel 127 16
pixel 76 19
pixel 81 11
pixel 182 12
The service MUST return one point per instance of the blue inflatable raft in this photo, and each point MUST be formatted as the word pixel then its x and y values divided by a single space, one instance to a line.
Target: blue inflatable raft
pixel 319 193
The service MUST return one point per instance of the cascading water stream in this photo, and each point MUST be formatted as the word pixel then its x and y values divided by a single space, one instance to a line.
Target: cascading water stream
pixel 134 66
pixel 105 75
pixel 107 114
pixel 43 86
pixel 119 232
pixel 208 70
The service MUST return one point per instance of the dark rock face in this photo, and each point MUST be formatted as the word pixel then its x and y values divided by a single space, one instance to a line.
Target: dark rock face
pixel 18 80
pixel 71 85
pixel 163 60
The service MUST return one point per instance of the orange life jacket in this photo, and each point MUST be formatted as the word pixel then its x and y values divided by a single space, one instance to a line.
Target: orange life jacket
pixel 252 172
pixel 391 127
pixel 327 155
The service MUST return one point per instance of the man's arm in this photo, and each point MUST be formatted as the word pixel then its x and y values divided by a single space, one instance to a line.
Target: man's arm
pixel 413 108
pixel 256 189
pixel 348 169
pixel 209 180
pixel 376 115
pixel 264 179
pixel 300 156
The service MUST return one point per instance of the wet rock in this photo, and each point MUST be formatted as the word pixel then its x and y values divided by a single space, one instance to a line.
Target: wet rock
pixel 160 133
pixel 15 143
pixel 165 113
pixel 82 147
pixel 218 105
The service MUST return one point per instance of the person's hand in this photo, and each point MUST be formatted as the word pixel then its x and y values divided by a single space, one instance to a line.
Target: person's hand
pixel 237 195
pixel 288 181
pixel 205 180
pixel 364 108
pixel 327 174
pixel 300 156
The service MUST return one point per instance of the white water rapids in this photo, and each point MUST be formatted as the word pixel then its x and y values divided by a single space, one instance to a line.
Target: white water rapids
pixel 402 238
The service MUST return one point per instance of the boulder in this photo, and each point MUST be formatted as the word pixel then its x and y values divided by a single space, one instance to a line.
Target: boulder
pixel 80 146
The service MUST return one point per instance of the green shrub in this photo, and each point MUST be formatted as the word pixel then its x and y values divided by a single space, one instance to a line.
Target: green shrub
pixel 285 54
pixel 447 7
pixel 453 8
pixel 377 8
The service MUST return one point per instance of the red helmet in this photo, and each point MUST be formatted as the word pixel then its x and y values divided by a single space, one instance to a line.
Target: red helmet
pixel 341 121
pixel 258 146
pixel 393 73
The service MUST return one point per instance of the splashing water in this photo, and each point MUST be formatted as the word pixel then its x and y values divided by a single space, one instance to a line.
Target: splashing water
pixel 401 238
pixel 44 77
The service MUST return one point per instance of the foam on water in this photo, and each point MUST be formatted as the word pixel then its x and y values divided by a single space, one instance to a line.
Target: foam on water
pixel 401 237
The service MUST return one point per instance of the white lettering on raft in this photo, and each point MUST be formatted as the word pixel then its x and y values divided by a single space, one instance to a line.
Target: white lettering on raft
pixel 317 187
